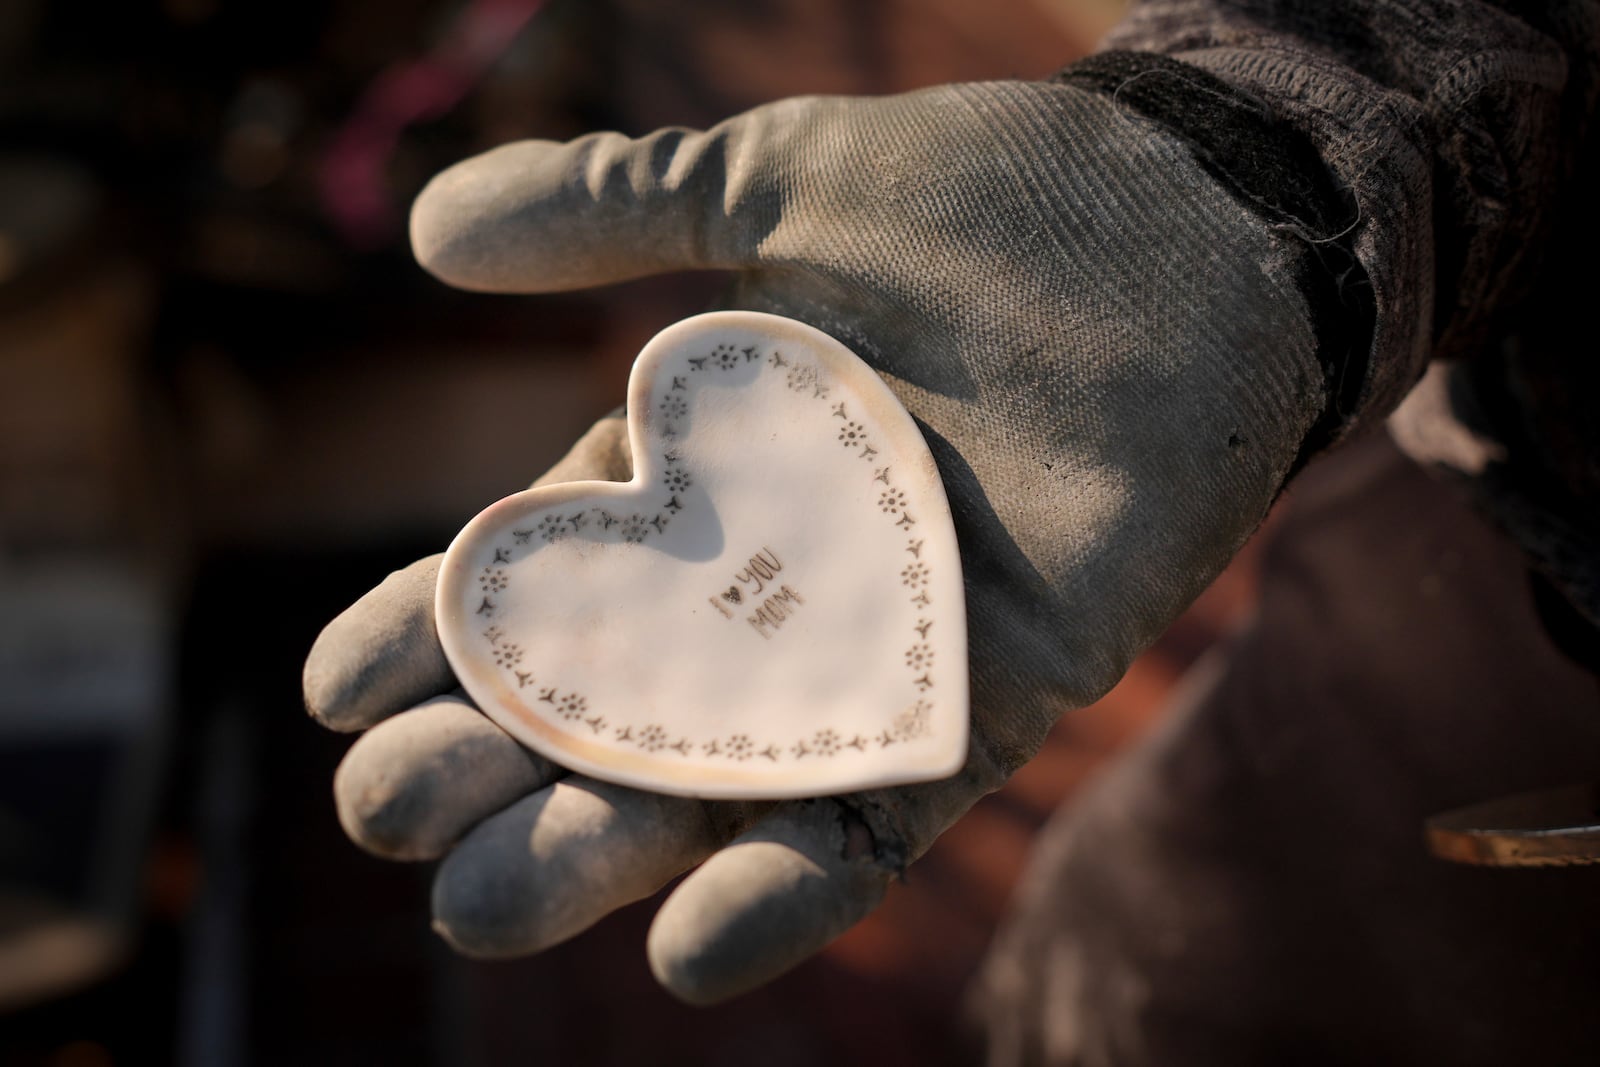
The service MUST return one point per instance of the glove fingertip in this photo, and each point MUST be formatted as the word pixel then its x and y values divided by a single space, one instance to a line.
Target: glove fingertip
pixel 410 787
pixel 485 903
pixel 380 655
pixel 365 815
pixel 551 865
pixel 465 938
pixel 324 700
pixel 762 905
pixel 441 227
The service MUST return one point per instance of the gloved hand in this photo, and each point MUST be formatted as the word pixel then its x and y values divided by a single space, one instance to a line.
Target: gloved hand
pixel 1114 370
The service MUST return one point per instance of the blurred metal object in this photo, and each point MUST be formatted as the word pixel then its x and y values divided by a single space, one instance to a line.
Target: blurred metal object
pixel 1546 828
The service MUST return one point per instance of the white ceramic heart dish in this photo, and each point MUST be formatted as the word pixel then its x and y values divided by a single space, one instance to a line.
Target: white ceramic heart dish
pixel 772 606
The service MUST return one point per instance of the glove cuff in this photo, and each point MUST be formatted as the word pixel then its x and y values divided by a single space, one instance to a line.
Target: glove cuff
pixel 1275 172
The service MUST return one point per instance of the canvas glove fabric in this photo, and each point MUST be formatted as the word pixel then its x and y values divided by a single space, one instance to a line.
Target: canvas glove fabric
pixel 1114 371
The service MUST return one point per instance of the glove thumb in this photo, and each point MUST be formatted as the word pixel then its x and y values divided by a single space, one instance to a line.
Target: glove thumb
pixel 538 216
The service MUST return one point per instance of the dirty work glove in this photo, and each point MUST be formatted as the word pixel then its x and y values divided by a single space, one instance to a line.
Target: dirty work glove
pixel 1114 369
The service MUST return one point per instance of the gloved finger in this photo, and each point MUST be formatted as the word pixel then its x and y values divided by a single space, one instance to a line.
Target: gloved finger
pixel 553 864
pixel 413 784
pixel 807 872
pixel 540 216
pixel 380 655
pixel 778 894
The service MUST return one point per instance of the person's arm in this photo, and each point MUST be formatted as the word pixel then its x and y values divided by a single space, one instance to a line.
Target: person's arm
pixel 1460 138
pixel 1119 354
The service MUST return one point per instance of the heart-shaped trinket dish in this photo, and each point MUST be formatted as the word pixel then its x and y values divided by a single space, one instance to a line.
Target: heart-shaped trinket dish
pixel 772 607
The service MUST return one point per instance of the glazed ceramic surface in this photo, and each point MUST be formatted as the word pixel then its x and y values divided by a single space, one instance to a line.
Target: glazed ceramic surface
pixel 771 607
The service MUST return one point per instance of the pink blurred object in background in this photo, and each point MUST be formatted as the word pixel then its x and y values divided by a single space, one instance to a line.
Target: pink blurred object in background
pixel 351 178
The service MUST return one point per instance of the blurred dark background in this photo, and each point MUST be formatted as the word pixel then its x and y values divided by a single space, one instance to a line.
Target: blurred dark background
pixel 229 403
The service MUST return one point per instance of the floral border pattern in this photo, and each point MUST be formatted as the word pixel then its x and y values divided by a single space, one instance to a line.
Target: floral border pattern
pixel 672 409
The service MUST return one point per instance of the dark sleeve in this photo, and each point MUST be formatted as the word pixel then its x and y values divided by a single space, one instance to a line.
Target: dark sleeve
pixel 1449 129
pixel 1440 162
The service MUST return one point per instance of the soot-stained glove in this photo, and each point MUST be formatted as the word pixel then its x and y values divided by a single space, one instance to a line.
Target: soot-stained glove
pixel 1114 368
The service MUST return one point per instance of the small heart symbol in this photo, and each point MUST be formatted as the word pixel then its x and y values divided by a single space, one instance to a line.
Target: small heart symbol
pixel 771 607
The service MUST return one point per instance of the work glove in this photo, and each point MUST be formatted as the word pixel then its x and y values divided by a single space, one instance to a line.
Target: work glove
pixel 1113 367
